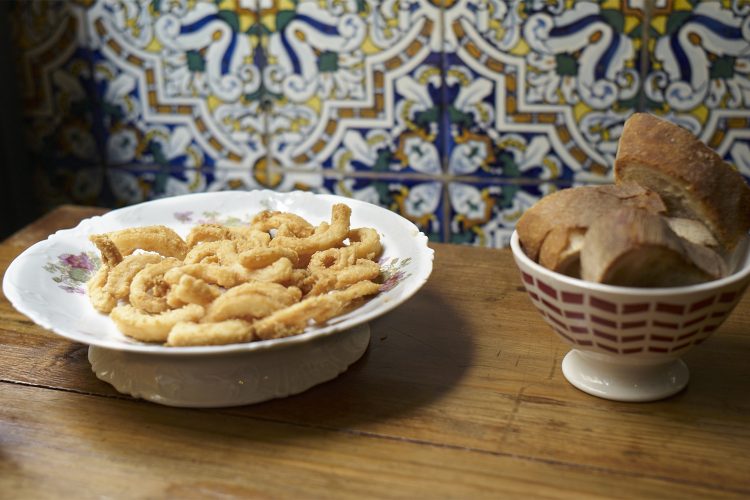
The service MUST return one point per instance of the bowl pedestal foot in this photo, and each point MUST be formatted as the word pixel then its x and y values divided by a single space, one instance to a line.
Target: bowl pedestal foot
pixel 609 377
pixel 230 379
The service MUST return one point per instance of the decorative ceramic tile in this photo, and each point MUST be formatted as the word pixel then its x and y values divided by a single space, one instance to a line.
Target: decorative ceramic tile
pixel 699 74
pixel 265 178
pixel 561 71
pixel 180 68
pixel 419 201
pixel 411 144
pixel 59 101
pixel 484 214
pixel 355 85
pixel 135 183
pixel 476 147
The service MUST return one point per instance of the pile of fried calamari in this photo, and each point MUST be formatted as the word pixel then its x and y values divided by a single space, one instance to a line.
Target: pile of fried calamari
pixel 221 285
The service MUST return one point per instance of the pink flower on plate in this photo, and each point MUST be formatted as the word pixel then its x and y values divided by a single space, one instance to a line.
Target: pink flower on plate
pixel 183 216
pixel 80 261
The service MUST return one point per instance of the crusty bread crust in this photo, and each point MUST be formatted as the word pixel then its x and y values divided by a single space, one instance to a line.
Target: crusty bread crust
pixel 631 247
pixel 691 178
pixel 568 212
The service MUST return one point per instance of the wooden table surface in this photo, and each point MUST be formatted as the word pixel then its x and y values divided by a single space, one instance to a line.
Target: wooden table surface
pixel 460 395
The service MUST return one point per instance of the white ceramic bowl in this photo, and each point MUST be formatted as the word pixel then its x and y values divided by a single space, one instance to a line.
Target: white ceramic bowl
pixel 627 342
pixel 47 283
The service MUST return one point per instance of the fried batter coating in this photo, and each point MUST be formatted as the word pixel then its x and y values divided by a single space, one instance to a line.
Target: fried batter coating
pixel 221 252
pixel 215 232
pixel 111 256
pixel 148 289
pixel 190 290
pixel 224 276
pixel 262 257
pixel 286 224
pixel 152 327
pixel 159 239
pixel 320 308
pixel 322 281
pixel 225 332
pixel 267 280
pixel 333 259
pixel 366 243
pixel 250 301
pixel 333 236
pixel 100 298
pixel 121 276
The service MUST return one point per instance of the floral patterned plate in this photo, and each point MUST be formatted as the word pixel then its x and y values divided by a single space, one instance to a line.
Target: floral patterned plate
pixel 47 282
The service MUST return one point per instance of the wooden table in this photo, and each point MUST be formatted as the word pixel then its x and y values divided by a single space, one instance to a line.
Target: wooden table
pixel 460 394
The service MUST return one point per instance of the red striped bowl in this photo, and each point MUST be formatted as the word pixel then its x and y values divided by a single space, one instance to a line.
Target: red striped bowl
pixel 627 341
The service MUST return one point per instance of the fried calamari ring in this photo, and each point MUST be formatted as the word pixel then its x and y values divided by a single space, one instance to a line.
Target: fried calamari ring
pixel 270 279
pixel 152 327
pixel 224 276
pixel 333 258
pixel 215 232
pixel 320 308
pixel 121 276
pixel 190 290
pixel 322 281
pixel 332 236
pixel 261 257
pixel 366 243
pixel 159 239
pixel 100 298
pixel 251 300
pixel 148 289
pixel 222 252
pixel 225 332
pixel 111 256
pixel 286 224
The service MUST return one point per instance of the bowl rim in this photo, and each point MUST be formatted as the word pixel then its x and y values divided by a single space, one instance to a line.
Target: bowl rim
pixel 736 276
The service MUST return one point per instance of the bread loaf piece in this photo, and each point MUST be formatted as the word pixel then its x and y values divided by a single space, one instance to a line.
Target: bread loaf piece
pixel 631 247
pixel 551 232
pixel 693 180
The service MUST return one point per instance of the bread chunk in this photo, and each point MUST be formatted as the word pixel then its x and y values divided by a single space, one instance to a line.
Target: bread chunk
pixel 551 232
pixel 694 182
pixel 631 247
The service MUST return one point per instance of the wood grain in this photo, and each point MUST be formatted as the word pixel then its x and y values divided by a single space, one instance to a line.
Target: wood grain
pixel 54 443
pixel 465 371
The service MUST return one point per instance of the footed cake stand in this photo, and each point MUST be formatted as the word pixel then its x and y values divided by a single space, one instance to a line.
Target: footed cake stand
pixel 209 380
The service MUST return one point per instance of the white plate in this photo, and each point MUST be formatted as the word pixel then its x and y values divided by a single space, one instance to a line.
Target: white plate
pixel 47 281
pixel 64 308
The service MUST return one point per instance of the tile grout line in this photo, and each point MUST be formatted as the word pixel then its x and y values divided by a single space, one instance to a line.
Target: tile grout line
pixel 445 229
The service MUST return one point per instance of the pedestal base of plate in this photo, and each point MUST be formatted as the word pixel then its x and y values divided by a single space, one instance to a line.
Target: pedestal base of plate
pixel 230 379
pixel 603 376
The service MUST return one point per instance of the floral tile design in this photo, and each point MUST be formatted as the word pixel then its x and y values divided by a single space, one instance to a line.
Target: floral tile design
pixel 184 68
pixel 485 214
pixel 561 71
pixel 420 201
pixel 457 114
pixel 699 72
pixel 355 85
pixel 476 148
pixel 412 144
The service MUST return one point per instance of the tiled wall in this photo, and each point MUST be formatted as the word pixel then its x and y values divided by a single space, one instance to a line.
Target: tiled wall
pixel 458 114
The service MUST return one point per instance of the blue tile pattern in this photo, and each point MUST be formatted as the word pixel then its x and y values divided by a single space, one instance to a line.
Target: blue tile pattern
pixel 457 114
